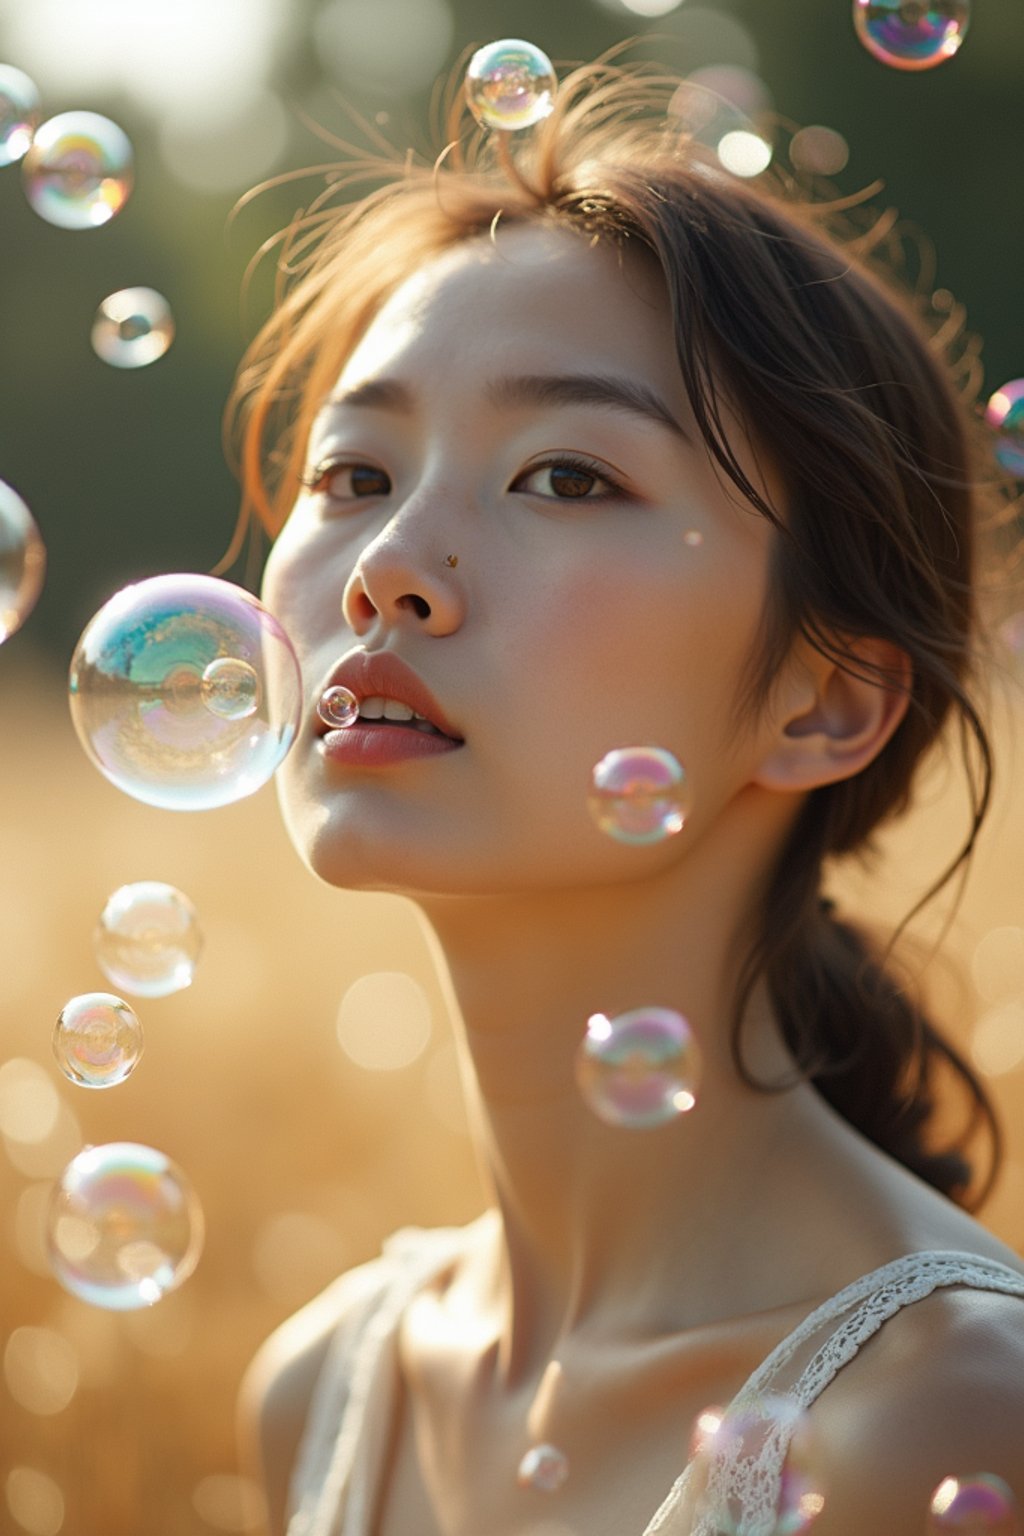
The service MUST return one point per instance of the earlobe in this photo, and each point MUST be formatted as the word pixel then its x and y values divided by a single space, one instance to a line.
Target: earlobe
pixel 832 722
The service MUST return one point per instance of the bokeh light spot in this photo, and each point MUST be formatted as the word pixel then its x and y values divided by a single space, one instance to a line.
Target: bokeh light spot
pixel 384 1021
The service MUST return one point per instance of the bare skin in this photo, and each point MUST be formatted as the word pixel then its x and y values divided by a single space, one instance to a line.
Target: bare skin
pixel 620 1280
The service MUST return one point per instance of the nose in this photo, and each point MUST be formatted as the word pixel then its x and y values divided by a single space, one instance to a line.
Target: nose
pixel 400 582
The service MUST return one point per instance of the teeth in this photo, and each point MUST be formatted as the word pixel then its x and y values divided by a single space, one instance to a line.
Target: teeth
pixel 377 708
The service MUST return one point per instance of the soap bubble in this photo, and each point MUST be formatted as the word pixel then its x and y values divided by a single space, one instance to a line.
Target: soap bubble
pixel 124 1226
pixel 22 561
pixel 97 1040
pixel 743 1435
pixel 639 795
pixel 544 1467
pixel 338 707
pixel 78 171
pixel 147 939
pixel 148 703
pixel 510 84
pixel 912 34
pixel 982 1505
pixel 19 113
pixel 132 328
pixel 639 1069
pixel 1005 413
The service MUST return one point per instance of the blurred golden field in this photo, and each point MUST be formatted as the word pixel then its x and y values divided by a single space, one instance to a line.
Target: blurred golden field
pixel 112 1424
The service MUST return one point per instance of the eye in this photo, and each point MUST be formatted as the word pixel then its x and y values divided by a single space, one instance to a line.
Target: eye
pixel 346 482
pixel 568 478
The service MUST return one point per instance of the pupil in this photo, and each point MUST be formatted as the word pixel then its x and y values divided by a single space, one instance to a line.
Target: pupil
pixel 571 482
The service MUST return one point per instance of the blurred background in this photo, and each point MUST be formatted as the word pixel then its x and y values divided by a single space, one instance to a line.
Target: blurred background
pixel 266 1079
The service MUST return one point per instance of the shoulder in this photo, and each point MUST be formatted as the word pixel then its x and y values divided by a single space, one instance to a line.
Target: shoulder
pixel 937 1392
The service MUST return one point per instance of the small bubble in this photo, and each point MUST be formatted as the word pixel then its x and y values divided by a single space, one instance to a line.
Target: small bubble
pixel 510 85
pixel 125 1226
pixel 820 151
pixel 97 1040
pixel 22 562
pixel 19 113
pixel 911 34
pixel 132 328
pixel 639 795
pixel 639 1069
pixel 147 939
pixel 745 1434
pixel 981 1505
pixel 78 170
pixel 544 1467
pixel 140 692
pixel 338 707
pixel 1005 415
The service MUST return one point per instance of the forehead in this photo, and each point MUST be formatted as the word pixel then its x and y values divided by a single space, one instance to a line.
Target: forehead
pixel 532 298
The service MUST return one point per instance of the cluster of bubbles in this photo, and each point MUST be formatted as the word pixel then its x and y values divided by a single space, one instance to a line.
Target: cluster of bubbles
pixel 912 34
pixel 22 561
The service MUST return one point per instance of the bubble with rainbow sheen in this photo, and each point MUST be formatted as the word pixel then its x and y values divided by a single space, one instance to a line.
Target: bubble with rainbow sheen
pixel 639 795
pixel 142 701
pixel 124 1226
pixel 78 171
pixel 97 1040
pixel 510 84
pixel 19 113
pixel 338 707
pixel 133 328
pixel 980 1505
pixel 1004 413
pixel 912 34
pixel 22 561
pixel 740 1436
pixel 639 1069
pixel 147 940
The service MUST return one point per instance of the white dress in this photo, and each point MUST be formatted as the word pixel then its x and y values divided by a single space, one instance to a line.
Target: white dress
pixel 341 1460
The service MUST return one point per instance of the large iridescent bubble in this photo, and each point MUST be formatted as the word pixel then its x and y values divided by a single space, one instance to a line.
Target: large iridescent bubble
pixel 132 328
pixel 911 34
pixel 639 795
pixel 151 703
pixel 510 84
pixel 639 1069
pixel 124 1226
pixel 1005 415
pixel 22 561
pixel 19 113
pixel 147 940
pixel 78 172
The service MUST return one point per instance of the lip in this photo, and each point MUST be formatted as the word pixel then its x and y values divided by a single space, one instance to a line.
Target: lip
pixel 370 673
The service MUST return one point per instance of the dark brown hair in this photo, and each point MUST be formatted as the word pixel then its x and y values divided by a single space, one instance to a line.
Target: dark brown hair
pixel 786 308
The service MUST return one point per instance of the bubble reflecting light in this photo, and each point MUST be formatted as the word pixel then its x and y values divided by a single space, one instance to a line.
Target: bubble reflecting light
pixel 640 1069
pixel 544 1467
pixel 912 34
pixel 981 1505
pixel 1005 415
pixel 338 707
pixel 639 795
pixel 510 85
pixel 125 1226
pixel 22 562
pixel 19 113
pixel 78 170
pixel 144 706
pixel 132 328
pixel 147 940
pixel 739 1436
pixel 97 1040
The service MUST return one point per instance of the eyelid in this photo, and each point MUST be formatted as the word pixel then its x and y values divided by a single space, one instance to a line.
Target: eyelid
pixel 586 465
pixel 310 478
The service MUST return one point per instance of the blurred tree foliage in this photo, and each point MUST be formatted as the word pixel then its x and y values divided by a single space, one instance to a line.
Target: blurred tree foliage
pixel 125 471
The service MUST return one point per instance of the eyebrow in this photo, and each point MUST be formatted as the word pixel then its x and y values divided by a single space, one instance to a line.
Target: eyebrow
pixel 531 389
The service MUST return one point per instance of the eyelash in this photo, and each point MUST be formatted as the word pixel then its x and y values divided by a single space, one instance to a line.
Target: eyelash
pixel 314 479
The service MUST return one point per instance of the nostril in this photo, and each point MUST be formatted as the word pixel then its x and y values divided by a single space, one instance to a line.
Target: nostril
pixel 418 604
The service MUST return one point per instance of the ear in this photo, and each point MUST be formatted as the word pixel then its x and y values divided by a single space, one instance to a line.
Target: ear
pixel 828 723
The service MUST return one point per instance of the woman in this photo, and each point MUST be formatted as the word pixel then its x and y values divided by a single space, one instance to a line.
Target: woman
pixel 586 445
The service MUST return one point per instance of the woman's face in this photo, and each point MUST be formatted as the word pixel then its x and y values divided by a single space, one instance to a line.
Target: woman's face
pixel 507 494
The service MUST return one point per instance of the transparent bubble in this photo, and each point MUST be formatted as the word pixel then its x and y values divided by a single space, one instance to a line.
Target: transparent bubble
pixel 981 1505
pixel 132 328
pixel 739 1437
pixel 912 34
pixel 1005 414
pixel 148 940
pixel 97 1040
pixel 510 84
pixel 78 170
pixel 544 1467
pixel 22 561
pixel 141 696
pixel 338 707
pixel 639 795
pixel 19 113
pixel 639 1069
pixel 124 1226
